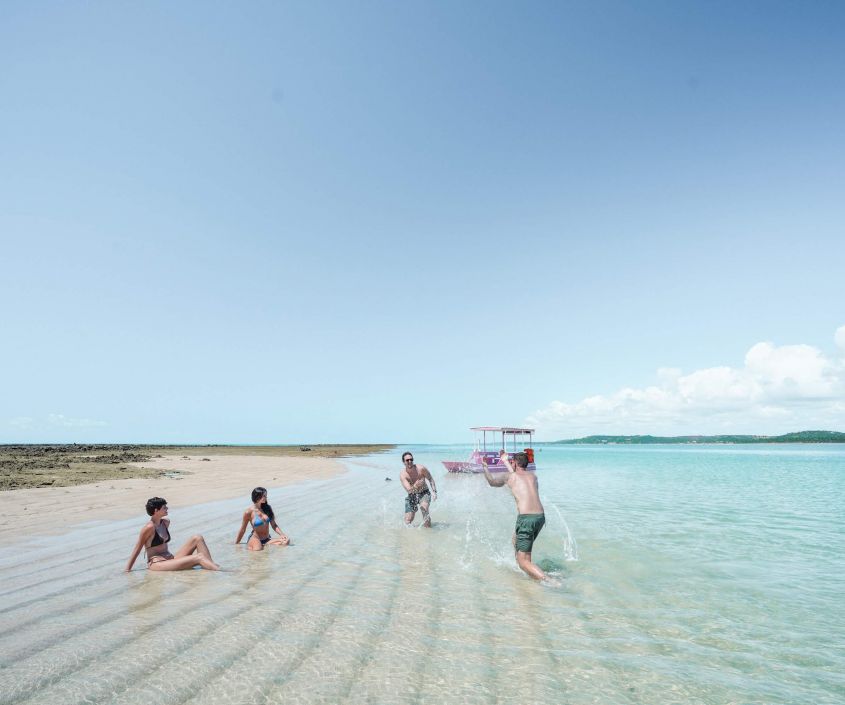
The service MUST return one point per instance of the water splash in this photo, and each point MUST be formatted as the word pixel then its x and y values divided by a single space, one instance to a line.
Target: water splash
pixel 470 536
pixel 570 547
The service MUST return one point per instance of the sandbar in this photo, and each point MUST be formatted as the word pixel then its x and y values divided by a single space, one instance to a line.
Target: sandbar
pixel 189 477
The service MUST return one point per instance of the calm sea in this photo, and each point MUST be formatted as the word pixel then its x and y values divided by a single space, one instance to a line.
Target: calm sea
pixel 687 574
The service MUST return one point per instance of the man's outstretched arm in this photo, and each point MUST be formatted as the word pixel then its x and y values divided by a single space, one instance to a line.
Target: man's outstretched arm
pixel 431 481
pixel 493 481
pixel 503 456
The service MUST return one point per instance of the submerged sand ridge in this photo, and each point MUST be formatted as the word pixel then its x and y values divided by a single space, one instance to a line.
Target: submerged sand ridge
pixel 183 476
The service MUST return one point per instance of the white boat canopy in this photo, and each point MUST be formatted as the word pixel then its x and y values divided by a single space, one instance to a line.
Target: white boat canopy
pixel 514 433
pixel 503 429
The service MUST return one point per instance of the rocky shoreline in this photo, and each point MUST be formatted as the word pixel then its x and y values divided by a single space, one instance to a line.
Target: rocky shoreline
pixel 64 465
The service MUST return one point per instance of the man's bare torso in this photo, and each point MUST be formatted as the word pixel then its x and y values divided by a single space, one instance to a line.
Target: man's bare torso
pixel 525 490
pixel 413 474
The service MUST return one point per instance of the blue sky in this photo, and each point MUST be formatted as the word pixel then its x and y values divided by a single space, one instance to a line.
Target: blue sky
pixel 362 222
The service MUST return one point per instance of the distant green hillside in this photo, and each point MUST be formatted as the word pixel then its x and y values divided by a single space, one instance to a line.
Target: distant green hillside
pixel 798 437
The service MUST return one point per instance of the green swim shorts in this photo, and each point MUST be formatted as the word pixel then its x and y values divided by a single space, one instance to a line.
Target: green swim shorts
pixel 527 529
pixel 414 499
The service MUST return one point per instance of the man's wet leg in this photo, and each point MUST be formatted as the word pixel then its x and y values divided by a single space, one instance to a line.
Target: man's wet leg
pixel 523 560
pixel 425 515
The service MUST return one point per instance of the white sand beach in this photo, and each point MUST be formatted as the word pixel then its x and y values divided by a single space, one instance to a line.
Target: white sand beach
pixel 194 480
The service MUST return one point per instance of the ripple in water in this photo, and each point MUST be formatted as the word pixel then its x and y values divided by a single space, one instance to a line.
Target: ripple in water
pixel 697 577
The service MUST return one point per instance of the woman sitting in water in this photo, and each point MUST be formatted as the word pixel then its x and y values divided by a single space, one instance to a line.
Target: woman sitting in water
pixel 261 516
pixel 154 538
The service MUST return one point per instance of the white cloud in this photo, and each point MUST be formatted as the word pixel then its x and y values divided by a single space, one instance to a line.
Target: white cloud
pixel 839 337
pixel 778 389
pixel 23 422
pixel 65 422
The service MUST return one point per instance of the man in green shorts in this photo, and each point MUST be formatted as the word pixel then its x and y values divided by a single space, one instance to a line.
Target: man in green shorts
pixel 531 516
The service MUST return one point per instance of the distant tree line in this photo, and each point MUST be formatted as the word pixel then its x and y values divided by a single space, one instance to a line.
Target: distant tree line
pixel 796 437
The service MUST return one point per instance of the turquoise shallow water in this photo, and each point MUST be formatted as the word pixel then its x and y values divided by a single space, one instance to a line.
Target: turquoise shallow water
pixel 688 574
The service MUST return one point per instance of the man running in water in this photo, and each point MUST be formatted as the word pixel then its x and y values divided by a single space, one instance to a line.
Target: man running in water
pixel 531 516
pixel 413 479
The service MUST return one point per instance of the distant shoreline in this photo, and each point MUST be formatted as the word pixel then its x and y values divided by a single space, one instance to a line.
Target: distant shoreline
pixel 797 437
pixel 24 465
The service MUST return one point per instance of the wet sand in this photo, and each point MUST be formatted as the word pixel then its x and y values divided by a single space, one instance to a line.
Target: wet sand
pixel 184 476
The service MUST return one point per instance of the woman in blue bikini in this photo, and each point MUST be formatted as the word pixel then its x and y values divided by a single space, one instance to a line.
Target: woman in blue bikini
pixel 155 537
pixel 261 516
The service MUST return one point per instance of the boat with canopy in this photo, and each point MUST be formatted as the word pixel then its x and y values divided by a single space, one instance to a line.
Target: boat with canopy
pixel 489 441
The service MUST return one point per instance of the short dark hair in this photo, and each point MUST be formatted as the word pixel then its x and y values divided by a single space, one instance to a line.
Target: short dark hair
pixel 154 503
pixel 521 459
pixel 407 452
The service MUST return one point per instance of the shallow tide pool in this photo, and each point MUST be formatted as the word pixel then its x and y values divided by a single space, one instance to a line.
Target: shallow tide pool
pixel 686 574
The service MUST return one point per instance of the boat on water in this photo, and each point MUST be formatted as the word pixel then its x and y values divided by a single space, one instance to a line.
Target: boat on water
pixel 500 437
